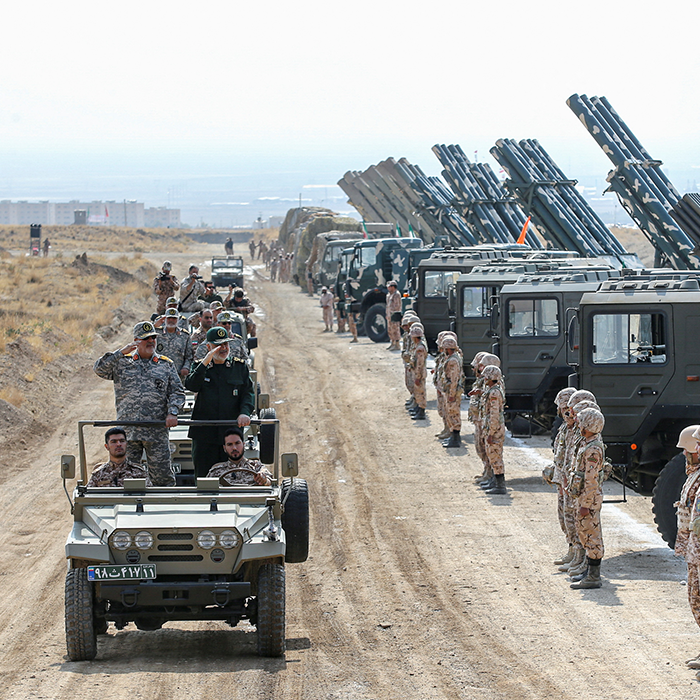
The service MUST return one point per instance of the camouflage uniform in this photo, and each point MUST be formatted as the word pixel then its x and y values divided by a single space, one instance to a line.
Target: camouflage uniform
pixel 406 355
pixel 240 306
pixel 189 298
pixel 176 346
pixel 560 478
pixel 586 487
pixel 393 305
pixel 439 381
pixel 692 557
pixel 111 474
pixel 236 347
pixel 145 390
pixel 684 506
pixel 326 302
pixel 164 289
pixel 238 478
pixel 452 380
pixel 474 415
pixel 419 357
pixel 572 441
pixel 493 425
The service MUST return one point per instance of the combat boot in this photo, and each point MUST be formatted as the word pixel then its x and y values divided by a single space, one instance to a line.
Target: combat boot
pixel 592 578
pixel 694 662
pixel 410 404
pixel 581 575
pixel 419 414
pixel 566 558
pixel 444 433
pixel 499 488
pixel 580 568
pixel 454 441
pixel 488 481
pixel 579 555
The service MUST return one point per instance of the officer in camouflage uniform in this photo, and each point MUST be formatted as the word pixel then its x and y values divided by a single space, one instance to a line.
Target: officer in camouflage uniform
pixel 224 392
pixel 237 470
pixel 147 387
pixel 164 285
pixel 175 344
pixel 452 379
pixel 241 304
pixel 118 468
pixel 393 306
pixel 493 424
pixel 419 358
pixel 206 321
pixel 237 348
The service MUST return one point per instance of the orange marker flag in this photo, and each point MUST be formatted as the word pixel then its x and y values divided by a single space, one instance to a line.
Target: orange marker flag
pixel 521 237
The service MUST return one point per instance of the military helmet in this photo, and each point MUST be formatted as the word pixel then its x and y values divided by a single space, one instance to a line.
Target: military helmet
pixel 492 373
pixel 144 330
pixel 237 292
pixel 167 265
pixel 686 439
pixel 580 395
pixel 449 342
pixel 477 358
pixel 489 359
pixel 583 405
pixel 562 398
pixel 217 335
pixel 416 330
pixel 592 420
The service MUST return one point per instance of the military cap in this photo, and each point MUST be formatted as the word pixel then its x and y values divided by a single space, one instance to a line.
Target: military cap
pixel 591 420
pixel 143 330
pixel 225 317
pixel 580 395
pixel 492 373
pixel 217 335
pixel 449 342
pixel 171 313
pixel 216 305
pixel 170 301
pixel 392 283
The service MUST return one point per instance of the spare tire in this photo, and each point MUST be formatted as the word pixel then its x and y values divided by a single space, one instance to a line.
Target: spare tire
pixel 267 413
pixel 375 323
pixel 266 436
pixel 295 519
pixel 667 491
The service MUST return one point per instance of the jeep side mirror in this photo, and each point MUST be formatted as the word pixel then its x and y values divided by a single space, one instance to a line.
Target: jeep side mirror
pixel 263 401
pixel 68 466
pixel 289 464
pixel 252 343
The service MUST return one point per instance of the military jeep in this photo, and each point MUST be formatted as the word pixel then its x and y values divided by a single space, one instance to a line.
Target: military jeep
pixel 227 270
pixel 151 555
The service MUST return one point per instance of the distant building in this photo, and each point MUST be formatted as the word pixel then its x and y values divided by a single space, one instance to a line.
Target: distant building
pixel 111 213
pixel 275 221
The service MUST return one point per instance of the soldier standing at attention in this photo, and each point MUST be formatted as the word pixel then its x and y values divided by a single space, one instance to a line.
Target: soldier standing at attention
pixel 326 302
pixel 684 505
pixel 438 382
pixel 224 392
pixel 147 387
pixel 393 315
pixel 493 425
pixel 118 468
pixel 406 353
pixel 349 313
pixel 452 382
pixel 419 360
pixel 474 417
pixel 174 343
pixel 164 285
pixel 485 360
pixel 252 246
pixel 586 487
pixel 692 557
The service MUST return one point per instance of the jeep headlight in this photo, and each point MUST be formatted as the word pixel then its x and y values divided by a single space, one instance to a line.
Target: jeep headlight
pixel 229 539
pixel 206 539
pixel 143 540
pixel 121 540
pixel 173 448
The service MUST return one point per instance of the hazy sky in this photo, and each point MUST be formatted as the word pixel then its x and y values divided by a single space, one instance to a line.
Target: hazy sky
pixel 211 87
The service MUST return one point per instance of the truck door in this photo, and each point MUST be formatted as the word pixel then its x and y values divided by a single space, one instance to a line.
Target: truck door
pixel 531 337
pixel 627 361
pixel 472 320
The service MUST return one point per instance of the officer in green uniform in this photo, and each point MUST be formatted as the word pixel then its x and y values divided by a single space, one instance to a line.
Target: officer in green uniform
pixel 224 392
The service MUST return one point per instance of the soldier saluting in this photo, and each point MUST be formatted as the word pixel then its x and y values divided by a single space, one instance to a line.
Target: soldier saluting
pixel 147 387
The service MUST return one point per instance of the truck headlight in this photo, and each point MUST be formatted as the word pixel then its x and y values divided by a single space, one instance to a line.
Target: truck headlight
pixel 121 540
pixel 206 539
pixel 143 539
pixel 229 539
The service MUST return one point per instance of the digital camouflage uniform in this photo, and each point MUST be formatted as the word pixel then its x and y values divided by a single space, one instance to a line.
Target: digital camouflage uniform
pixel 585 486
pixel 164 289
pixel 238 478
pixel 419 359
pixel 111 474
pixel 145 390
pixel 452 381
pixel 176 346
pixel 393 305
pixel 236 347
pixel 493 425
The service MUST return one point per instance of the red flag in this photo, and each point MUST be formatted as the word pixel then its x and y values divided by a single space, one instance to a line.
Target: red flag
pixel 521 237
pixel 106 213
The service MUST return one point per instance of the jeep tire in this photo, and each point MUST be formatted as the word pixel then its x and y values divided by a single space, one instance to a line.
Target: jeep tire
pixel 81 639
pixel 295 519
pixel 375 323
pixel 270 622
pixel 667 490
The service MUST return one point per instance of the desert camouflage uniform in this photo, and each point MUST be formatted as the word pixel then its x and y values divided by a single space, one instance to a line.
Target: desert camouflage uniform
pixel 560 478
pixel 692 557
pixel 274 266
pixel 238 478
pixel 419 357
pixel 493 425
pixel 111 474
pixel 239 307
pixel 393 305
pixel 572 443
pixel 684 506
pixel 452 381
pixel 438 382
pixel 406 354
pixel 586 488
pixel 189 298
pixel 176 346
pixel 164 289
pixel 474 416
pixel 326 301
pixel 145 390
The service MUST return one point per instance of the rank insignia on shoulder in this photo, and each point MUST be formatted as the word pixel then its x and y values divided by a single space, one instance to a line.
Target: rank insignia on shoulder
pixel 166 358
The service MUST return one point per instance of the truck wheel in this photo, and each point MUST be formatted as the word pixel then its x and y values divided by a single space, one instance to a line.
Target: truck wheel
pixel 375 323
pixel 295 519
pixel 271 641
pixel 81 640
pixel 667 491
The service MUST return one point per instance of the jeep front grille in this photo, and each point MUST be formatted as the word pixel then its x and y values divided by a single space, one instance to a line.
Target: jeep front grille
pixel 175 557
pixel 175 536
pixel 175 547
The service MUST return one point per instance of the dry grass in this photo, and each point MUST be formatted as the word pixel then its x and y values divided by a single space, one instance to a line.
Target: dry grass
pixel 56 307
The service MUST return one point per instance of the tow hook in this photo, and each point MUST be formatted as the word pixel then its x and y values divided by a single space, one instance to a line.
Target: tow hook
pixel 130 597
pixel 219 594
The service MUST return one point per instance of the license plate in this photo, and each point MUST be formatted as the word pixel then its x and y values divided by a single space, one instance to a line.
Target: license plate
pixel 129 572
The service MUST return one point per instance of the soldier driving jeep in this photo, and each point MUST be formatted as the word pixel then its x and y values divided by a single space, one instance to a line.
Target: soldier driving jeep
pixel 239 471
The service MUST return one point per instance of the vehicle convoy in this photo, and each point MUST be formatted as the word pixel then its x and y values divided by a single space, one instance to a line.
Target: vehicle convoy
pixel 325 253
pixel 150 555
pixel 634 344
pixel 227 270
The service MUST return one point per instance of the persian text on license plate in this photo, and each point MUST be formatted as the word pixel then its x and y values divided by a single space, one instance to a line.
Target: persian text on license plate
pixel 128 572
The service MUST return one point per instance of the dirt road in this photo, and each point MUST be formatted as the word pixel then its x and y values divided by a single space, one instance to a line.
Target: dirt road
pixel 418 584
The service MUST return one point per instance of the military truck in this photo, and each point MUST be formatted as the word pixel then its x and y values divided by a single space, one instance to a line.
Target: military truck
pixel 634 344
pixel 325 253
pixel 151 555
pixel 227 270
pixel 527 327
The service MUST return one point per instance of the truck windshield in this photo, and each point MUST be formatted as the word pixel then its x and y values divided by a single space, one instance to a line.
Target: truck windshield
pixel 533 318
pixel 474 302
pixel 368 256
pixel 436 283
pixel 628 338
